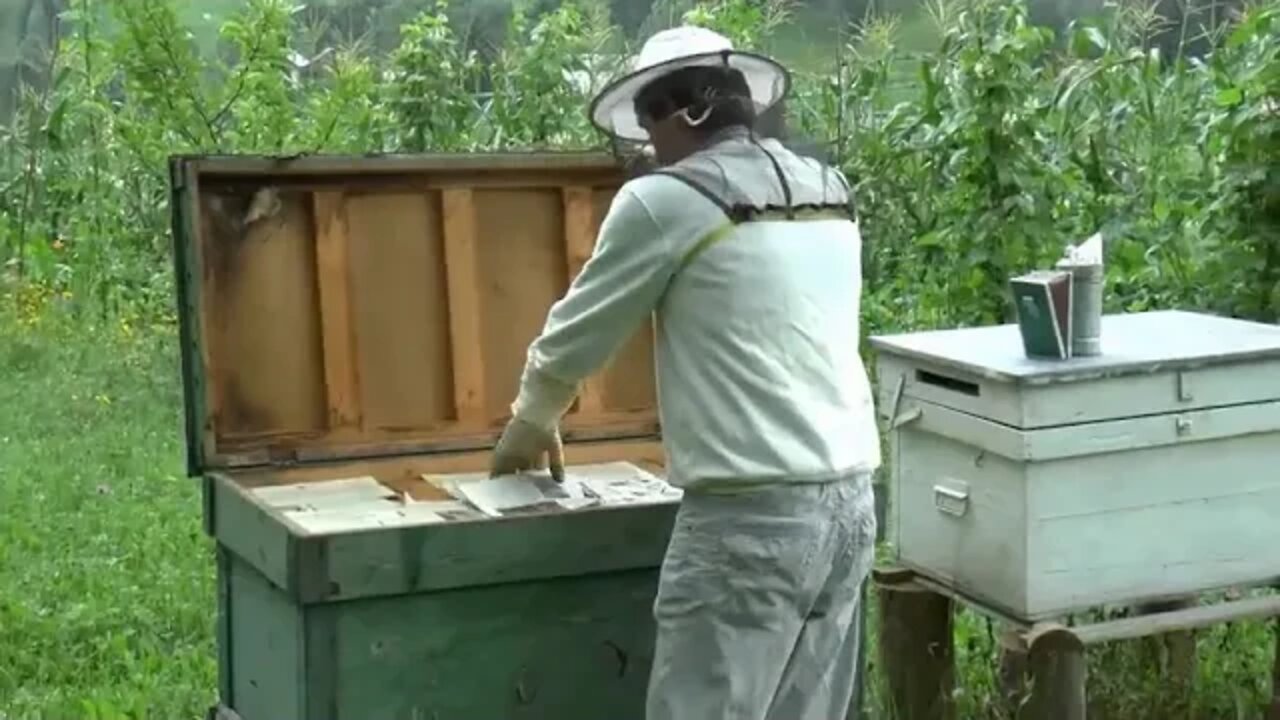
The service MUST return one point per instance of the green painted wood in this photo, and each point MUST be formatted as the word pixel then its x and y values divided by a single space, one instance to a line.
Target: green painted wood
pixel 322 681
pixel 502 550
pixel 576 647
pixel 392 561
pixel 222 625
pixel 255 534
pixel 267 679
pixel 187 275
pixel 1073 441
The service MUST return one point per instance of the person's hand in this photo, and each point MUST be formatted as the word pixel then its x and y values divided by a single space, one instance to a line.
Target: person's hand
pixel 525 446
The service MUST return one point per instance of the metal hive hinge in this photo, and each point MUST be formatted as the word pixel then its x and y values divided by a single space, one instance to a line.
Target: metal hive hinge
pixel 1185 393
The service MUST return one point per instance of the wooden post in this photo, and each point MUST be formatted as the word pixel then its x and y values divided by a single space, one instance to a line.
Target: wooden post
pixel 1274 712
pixel 1172 656
pixel 915 648
pixel 1013 669
pixel 1056 658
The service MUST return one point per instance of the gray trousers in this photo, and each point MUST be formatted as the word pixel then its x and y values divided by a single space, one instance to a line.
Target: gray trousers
pixel 758 611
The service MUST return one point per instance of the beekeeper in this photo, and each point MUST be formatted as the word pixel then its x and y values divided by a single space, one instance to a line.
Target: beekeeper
pixel 750 257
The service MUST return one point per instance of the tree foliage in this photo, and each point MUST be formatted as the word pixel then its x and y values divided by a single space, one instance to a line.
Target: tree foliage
pixel 974 161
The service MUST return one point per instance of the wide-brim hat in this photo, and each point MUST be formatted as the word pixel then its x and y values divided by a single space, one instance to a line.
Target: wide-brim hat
pixel 613 110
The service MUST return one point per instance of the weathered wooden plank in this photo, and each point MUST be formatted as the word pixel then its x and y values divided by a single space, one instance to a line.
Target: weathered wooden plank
pixel 249 530
pixel 447 438
pixel 576 647
pixel 961 516
pixel 579 240
pixel 266 649
pixel 333 276
pixel 522 259
pixel 1133 344
pixel 1074 441
pixel 471 652
pixel 503 550
pixel 979 434
pixel 264 343
pixel 241 166
pixel 1153 431
pixel 465 315
pixel 401 313
pixel 1256 608
pixel 316 304
pixel 646 452
pixel 1157 361
pixel 1165 391
pixel 223 560
pixel 1098 527
pixel 322 653
pixel 943 386
pixel 193 324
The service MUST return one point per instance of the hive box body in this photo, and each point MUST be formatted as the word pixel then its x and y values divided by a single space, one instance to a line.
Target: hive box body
pixel 368 317
pixel 577 647
pixel 1040 488
pixel 530 616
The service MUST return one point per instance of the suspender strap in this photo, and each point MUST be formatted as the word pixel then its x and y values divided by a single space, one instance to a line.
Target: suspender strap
pixel 741 212
pixel 782 178
pixel 701 189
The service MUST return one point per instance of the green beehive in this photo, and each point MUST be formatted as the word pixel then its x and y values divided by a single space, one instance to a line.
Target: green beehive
pixel 368 318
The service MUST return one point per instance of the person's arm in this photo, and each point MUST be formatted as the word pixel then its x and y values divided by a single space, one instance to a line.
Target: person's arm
pixel 617 289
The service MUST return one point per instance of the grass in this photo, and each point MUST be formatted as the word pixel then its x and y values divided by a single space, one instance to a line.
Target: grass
pixel 106 593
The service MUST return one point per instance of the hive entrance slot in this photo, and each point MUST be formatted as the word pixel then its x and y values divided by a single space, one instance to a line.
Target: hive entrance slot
pixel 955 385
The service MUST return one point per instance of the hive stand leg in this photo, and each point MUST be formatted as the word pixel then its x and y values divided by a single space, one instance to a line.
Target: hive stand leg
pixel 1172 657
pixel 916 649
pixel 1274 712
pixel 1058 676
pixel 1013 669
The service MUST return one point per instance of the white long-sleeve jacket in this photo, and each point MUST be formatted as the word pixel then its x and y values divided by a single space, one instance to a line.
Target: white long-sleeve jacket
pixel 758 371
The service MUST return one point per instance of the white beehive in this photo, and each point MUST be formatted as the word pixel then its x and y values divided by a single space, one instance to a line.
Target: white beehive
pixel 1043 487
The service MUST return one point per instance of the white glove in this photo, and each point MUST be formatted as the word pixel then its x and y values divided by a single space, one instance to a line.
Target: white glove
pixel 523 446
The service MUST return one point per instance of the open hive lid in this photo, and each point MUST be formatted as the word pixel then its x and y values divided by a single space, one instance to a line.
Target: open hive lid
pixel 335 308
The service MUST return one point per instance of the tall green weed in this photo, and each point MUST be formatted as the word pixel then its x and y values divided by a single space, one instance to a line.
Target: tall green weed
pixel 974 160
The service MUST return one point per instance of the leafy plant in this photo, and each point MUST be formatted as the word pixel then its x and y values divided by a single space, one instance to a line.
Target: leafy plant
pixel 976 155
